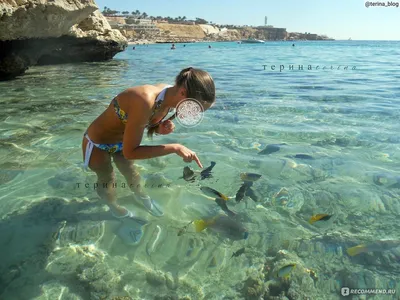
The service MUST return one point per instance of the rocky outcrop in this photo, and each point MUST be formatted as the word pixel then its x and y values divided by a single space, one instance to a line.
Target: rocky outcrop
pixel 209 29
pixel 53 31
pixel 225 35
pixel 181 32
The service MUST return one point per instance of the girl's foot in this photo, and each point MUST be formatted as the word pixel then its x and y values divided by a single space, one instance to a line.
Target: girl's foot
pixel 124 214
pixel 130 230
pixel 120 212
pixel 150 205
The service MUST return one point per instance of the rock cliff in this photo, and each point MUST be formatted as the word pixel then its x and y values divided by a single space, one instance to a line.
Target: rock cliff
pixel 179 33
pixel 53 31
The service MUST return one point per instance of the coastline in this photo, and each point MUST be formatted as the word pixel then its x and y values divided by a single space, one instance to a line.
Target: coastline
pixel 178 33
pixel 151 42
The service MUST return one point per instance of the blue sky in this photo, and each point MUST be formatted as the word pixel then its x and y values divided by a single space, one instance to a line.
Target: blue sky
pixel 339 19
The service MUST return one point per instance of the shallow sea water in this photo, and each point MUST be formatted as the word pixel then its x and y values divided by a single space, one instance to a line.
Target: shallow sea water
pixel 59 242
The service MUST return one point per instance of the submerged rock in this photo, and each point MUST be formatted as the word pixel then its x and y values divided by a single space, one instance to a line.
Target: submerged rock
pixel 36 32
pixel 157 162
pixel 299 284
pixel 7 175
pixel 99 280
pixel 291 199
pixel 253 288
pixel 155 278
pixel 157 180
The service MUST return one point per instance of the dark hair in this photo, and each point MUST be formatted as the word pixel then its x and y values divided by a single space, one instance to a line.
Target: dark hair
pixel 198 84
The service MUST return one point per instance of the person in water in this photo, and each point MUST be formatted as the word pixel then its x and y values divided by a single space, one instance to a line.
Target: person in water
pixel 116 135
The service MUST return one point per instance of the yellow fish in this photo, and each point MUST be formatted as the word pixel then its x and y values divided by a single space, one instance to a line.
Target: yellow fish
pixel 250 176
pixel 357 250
pixel 213 193
pixel 377 246
pixel 319 217
pixel 225 225
pixel 200 225
pixel 285 271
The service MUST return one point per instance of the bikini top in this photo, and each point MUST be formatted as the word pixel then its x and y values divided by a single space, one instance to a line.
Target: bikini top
pixel 123 116
pixel 157 105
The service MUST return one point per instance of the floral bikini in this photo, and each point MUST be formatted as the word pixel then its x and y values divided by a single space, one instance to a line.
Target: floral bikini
pixel 123 116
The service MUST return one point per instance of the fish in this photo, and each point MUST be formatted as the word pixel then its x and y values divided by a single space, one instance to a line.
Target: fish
pixel 285 271
pixel 378 246
pixel 282 195
pixel 313 274
pixel 250 193
pixel 250 176
pixel 395 186
pixel 206 173
pixel 188 174
pixel 150 247
pixel 239 252
pixel 223 224
pixel 213 193
pixel 271 149
pixel 303 156
pixel 241 193
pixel 183 229
pixel 319 217
pixel 221 203
pixel 213 262
pixel 242 190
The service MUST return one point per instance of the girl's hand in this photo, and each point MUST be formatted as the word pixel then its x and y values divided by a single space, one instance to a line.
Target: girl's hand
pixel 187 155
pixel 166 127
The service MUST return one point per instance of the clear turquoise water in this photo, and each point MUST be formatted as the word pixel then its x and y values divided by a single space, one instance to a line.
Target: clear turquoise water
pixel 54 233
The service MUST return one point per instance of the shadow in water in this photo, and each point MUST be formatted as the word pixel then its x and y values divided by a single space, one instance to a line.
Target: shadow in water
pixel 29 236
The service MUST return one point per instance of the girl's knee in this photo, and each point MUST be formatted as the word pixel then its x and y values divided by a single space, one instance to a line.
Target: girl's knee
pixel 105 174
pixel 128 170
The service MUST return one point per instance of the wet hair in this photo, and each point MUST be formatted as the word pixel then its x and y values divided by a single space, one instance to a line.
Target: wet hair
pixel 198 84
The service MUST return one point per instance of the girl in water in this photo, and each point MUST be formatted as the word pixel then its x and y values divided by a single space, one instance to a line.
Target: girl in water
pixel 117 134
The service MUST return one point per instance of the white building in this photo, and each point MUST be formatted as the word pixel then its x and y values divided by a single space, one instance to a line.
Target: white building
pixel 141 25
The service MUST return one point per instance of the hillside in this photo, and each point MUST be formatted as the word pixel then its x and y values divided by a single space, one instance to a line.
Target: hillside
pixel 182 31
pixel 160 32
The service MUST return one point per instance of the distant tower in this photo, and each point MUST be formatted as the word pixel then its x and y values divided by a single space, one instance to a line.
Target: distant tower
pixel 265 21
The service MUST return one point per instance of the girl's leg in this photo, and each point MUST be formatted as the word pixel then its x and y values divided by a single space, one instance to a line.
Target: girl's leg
pixel 132 177
pixel 100 163
pixel 130 172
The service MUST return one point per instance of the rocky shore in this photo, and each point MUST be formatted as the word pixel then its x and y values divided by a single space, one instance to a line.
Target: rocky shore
pixel 39 32
pixel 179 33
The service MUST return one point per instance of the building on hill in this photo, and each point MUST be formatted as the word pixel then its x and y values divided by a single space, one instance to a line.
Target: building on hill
pixel 272 33
pixel 139 25
pixel 115 21
pixel 143 21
